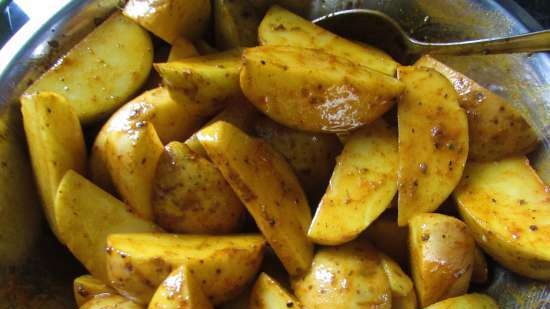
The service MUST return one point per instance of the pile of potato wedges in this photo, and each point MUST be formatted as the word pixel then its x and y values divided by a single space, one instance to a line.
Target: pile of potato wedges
pixel 265 162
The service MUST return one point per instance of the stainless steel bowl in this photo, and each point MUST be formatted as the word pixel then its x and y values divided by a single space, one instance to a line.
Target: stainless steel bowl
pixel 37 272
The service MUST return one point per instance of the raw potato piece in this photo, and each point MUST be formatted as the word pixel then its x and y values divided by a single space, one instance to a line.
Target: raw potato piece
pixel 138 263
pixel 235 23
pixel 480 271
pixel 180 290
pixel 86 215
pixel 267 186
pixel 56 144
pixel 400 284
pixel 170 19
pixel 268 294
pixel 362 186
pixel 497 129
pixel 311 155
pixel 442 257
pixel 99 74
pixel 181 49
pixel 507 207
pixel 87 287
pixel 132 158
pixel 345 277
pixel 173 120
pixel 384 228
pixel 210 81
pixel 110 301
pixel 313 91
pixel 281 27
pixel 468 301
pixel 433 141
pixel 406 302
pixel 190 195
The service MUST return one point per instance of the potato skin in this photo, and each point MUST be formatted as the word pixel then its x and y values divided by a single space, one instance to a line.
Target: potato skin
pixel 87 287
pixel 468 301
pixel 190 195
pixel 442 257
pixel 236 23
pixel 110 301
pixel 497 129
pixel 480 271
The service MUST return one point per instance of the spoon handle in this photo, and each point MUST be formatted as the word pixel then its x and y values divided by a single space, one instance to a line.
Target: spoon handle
pixel 529 42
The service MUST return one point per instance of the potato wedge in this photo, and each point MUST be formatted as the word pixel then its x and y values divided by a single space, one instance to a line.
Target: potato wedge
pixel 182 48
pixel 85 215
pixel 406 302
pixel 442 257
pixel 507 207
pixel 87 287
pixel 313 91
pixel 56 144
pixel 362 185
pixel 268 188
pixel 269 294
pixel 497 130
pixel 110 301
pixel 173 121
pixel 170 19
pixel 347 277
pixel 384 228
pixel 468 301
pixel 131 158
pixel 138 263
pixel 210 81
pixel 190 195
pixel 480 271
pixel 205 48
pixel 102 71
pixel 311 155
pixel 180 290
pixel 400 284
pixel 235 23
pixel 281 27
pixel 433 141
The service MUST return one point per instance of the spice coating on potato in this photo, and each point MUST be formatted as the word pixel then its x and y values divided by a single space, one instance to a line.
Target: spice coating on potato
pixel 110 301
pixel 87 287
pixel 268 293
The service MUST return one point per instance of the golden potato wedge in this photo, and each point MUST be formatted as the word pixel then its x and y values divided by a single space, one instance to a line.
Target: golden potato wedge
pixel 190 195
pixel 110 301
pixel 480 271
pixel 268 294
pixel 347 277
pixel 173 121
pixel 99 74
pixel 433 141
pixel 281 27
pixel 313 91
pixel 362 185
pixel 497 130
pixel 138 263
pixel 384 228
pixel 180 290
pixel 131 158
pixel 311 155
pixel 267 186
pixel 182 48
pixel 507 207
pixel 400 284
pixel 239 302
pixel 170 19
pixel 468 301
pixel 210 81
pixel 442 257
pixel 56 144
pixel 405 302
pixel 235 23
pixel 85 215
pixel 87 287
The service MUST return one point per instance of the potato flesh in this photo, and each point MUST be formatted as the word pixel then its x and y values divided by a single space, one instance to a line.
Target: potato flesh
pixel 468 301
pixel 87 287
pixel 313 91
pixel 138 263
pixel 170 19
pixel 110 301
pixel 361 187
pixel 182 48
pixel 281 27
pixel 496 129
pixel 98 74
pixel 190 195
pixel 405 302
pixel 180 290
pixel 277 202
pixel 346 277
pixel 86 215
pixel 507 207
pixel 442 256
pixel 400 284
pixel 56 144
pixel 433 141
pixel 268 294
pixel 236 23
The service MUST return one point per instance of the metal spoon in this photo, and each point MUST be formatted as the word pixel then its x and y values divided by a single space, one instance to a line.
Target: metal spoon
pixel 380 30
